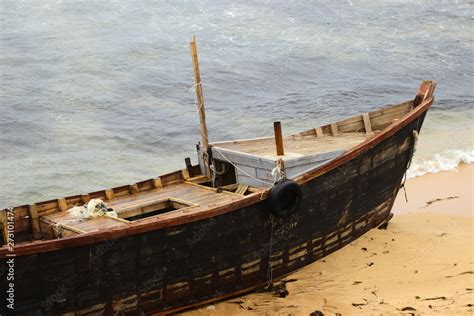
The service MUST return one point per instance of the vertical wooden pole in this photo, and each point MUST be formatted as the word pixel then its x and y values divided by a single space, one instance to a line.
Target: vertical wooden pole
pixel 34 221
pixel 278 139
pixel 200 103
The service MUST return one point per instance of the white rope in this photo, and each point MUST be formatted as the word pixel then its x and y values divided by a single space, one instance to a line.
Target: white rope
pixel 94 208
pixel 215 172
pixel 278 172
pixel 58 230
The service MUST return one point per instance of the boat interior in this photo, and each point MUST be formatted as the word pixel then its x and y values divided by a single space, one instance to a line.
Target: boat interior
pixel 239 168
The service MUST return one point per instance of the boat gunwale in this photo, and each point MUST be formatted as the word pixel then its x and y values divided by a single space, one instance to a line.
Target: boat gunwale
pixel 41 246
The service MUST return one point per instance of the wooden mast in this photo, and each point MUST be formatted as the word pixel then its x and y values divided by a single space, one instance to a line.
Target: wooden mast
pixel 200 104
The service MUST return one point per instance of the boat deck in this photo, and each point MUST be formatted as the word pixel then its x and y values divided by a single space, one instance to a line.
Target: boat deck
pixel 185 197
pixel 296 146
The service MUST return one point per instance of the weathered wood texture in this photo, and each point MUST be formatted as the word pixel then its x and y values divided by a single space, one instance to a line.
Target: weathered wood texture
pixel 280 151
pixel 257 171
pixel 296 146
pixel 174 267
pixel 25 223
pixel 196 199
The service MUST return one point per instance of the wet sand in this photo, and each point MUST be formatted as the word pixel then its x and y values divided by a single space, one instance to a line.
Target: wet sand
pixel 422 264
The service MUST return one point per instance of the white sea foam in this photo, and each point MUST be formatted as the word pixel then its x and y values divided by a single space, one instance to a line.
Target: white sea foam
pixel 447 160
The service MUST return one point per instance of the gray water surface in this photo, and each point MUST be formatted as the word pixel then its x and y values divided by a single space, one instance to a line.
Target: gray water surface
pixel 96 94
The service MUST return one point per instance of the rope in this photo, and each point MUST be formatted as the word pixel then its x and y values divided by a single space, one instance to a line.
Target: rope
pixel 278 172
pixel 215 172
pixel 270 270
pixel 58 230
pixel 412 153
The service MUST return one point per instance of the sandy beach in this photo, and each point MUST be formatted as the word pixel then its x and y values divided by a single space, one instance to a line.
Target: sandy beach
pixel 422 264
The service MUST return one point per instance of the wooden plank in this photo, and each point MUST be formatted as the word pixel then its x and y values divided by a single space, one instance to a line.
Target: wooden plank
pixel 242 158
pixel 230 187
pixel 35 227
pixel 145 185
pixel 171 178
pixel 45 206
pixel 241 141
pixel 381 122
pixel 134 188
pixel 62 205
pixel 74 200
pixel 313 159
pixel 185 174
pixel 355 124
pixel 319 131
pixel 198 179
pixel 263 155
pixel 71 228
pixel 157 183
pixel 118 219
pixel 334 129
pixel 354 127
pixel 241 189
pixel 367 125
pixel 310 132
pixel 189 167
pixel 85 198
pixel 109 194
pixel 121 191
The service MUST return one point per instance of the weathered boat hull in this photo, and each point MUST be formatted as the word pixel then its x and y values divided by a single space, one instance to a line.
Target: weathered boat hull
pixel 180 266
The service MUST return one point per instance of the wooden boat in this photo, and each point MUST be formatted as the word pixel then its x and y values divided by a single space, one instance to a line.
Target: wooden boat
pixel 215 229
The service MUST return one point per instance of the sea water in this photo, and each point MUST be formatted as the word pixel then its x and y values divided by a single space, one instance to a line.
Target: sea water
pixel 96 94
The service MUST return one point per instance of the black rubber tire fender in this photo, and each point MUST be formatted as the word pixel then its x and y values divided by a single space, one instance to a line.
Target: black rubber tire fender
pixel 285 198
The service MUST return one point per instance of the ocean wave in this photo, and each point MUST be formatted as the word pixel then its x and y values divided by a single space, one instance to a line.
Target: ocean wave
pixel 448 160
